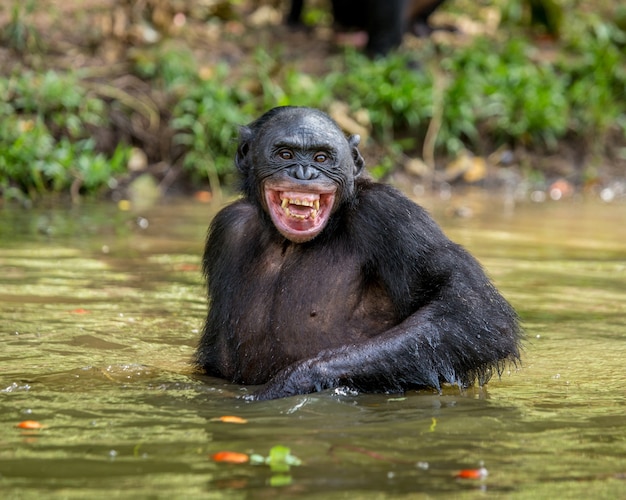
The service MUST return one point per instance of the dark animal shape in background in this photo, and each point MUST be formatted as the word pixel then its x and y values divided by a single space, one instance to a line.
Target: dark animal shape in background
pixel 384 20
pixel 320 277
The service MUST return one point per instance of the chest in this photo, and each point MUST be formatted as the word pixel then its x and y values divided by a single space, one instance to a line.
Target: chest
pixel 293 302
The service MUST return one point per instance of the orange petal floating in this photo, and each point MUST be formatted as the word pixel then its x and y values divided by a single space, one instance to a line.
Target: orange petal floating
pixel 30 424
pixel 230 457
pixel 79 311
pixel 472 473
pixel 231 419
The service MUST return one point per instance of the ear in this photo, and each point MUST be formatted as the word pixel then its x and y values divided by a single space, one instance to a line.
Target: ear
pixel 359 162
pixel 245 136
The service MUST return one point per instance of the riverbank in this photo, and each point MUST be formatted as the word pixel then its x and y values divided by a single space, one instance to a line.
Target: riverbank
pixel 98 94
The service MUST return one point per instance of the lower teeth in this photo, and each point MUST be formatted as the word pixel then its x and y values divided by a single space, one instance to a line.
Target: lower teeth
pixel 312 214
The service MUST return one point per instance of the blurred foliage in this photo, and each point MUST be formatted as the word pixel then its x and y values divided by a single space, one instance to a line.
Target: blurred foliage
pixel 205 120
pixel 500 94
pixel 396 96
pixel 44 136
pixel 168 65
pixel 544 15
pixel 499 89
pixel 511 98
pixel 20 34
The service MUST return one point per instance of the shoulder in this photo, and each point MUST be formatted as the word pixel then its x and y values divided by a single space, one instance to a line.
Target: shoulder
pixel 239 210
pixel 236 218
pixel 233 230
pixel 233 226
pixel 391 212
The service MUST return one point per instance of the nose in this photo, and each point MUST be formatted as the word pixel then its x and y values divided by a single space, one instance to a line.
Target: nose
pixel 304 172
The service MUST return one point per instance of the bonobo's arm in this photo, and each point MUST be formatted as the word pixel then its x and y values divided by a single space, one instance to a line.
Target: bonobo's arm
pixel 224 252
pixel 428 348
pixel 458 328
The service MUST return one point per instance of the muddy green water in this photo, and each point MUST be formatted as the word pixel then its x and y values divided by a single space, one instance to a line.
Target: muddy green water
pixel 100 311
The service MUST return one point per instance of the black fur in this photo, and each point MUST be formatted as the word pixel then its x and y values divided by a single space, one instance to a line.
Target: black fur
pixel 380 300
pixel 385 21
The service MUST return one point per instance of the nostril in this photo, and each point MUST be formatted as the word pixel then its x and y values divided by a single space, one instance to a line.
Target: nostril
pixel 304 172
pixel 312 173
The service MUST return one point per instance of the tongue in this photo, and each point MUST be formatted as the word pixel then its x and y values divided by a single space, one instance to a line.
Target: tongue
pixel 299 210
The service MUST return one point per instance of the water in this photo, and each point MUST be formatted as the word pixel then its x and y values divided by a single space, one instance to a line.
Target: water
pixel 100 311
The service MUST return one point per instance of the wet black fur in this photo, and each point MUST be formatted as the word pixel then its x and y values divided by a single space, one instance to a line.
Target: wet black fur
pixel 380 301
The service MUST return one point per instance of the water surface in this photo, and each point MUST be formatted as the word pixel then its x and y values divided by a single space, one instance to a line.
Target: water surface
pixel 100 311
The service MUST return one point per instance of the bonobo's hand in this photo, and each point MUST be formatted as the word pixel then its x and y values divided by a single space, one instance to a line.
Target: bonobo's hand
pixel 302 377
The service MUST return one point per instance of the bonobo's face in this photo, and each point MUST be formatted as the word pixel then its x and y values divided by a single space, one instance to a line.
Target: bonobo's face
pixel 303 167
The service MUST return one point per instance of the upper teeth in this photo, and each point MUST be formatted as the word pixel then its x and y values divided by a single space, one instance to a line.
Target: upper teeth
pixel 305 203
pixel 315 205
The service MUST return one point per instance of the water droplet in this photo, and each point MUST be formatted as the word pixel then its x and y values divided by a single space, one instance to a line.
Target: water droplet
pixel 143 223
pixel 538 196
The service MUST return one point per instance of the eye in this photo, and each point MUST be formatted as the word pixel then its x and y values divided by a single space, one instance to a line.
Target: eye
pixel 320 157
pixel 285 154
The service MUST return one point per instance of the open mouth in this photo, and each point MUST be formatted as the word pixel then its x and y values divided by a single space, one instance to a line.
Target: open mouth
pixel 300 207
pixel 298 215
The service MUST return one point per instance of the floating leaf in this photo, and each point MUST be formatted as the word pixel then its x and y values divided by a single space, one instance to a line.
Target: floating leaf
pixel 230 419
pixel 281 459
pixel 230 457
pixel 433 425
pixel 256 459
pixel 480 473
pixel 30 425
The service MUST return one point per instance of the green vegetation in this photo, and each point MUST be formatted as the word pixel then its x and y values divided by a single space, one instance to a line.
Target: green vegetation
pixel 20 34
pixel 206 120
pixel 503 95
pixel 45 142
pixel 501 90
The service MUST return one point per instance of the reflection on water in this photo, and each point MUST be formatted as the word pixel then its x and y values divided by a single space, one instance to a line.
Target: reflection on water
pixel 99 315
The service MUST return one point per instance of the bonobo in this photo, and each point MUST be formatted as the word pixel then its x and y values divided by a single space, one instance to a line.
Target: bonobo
pixel 320 277
pixel 384 20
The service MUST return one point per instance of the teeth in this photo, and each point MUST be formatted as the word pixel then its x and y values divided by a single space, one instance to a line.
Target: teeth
pixel 296 216
pixel 315 205
pixel 303 203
